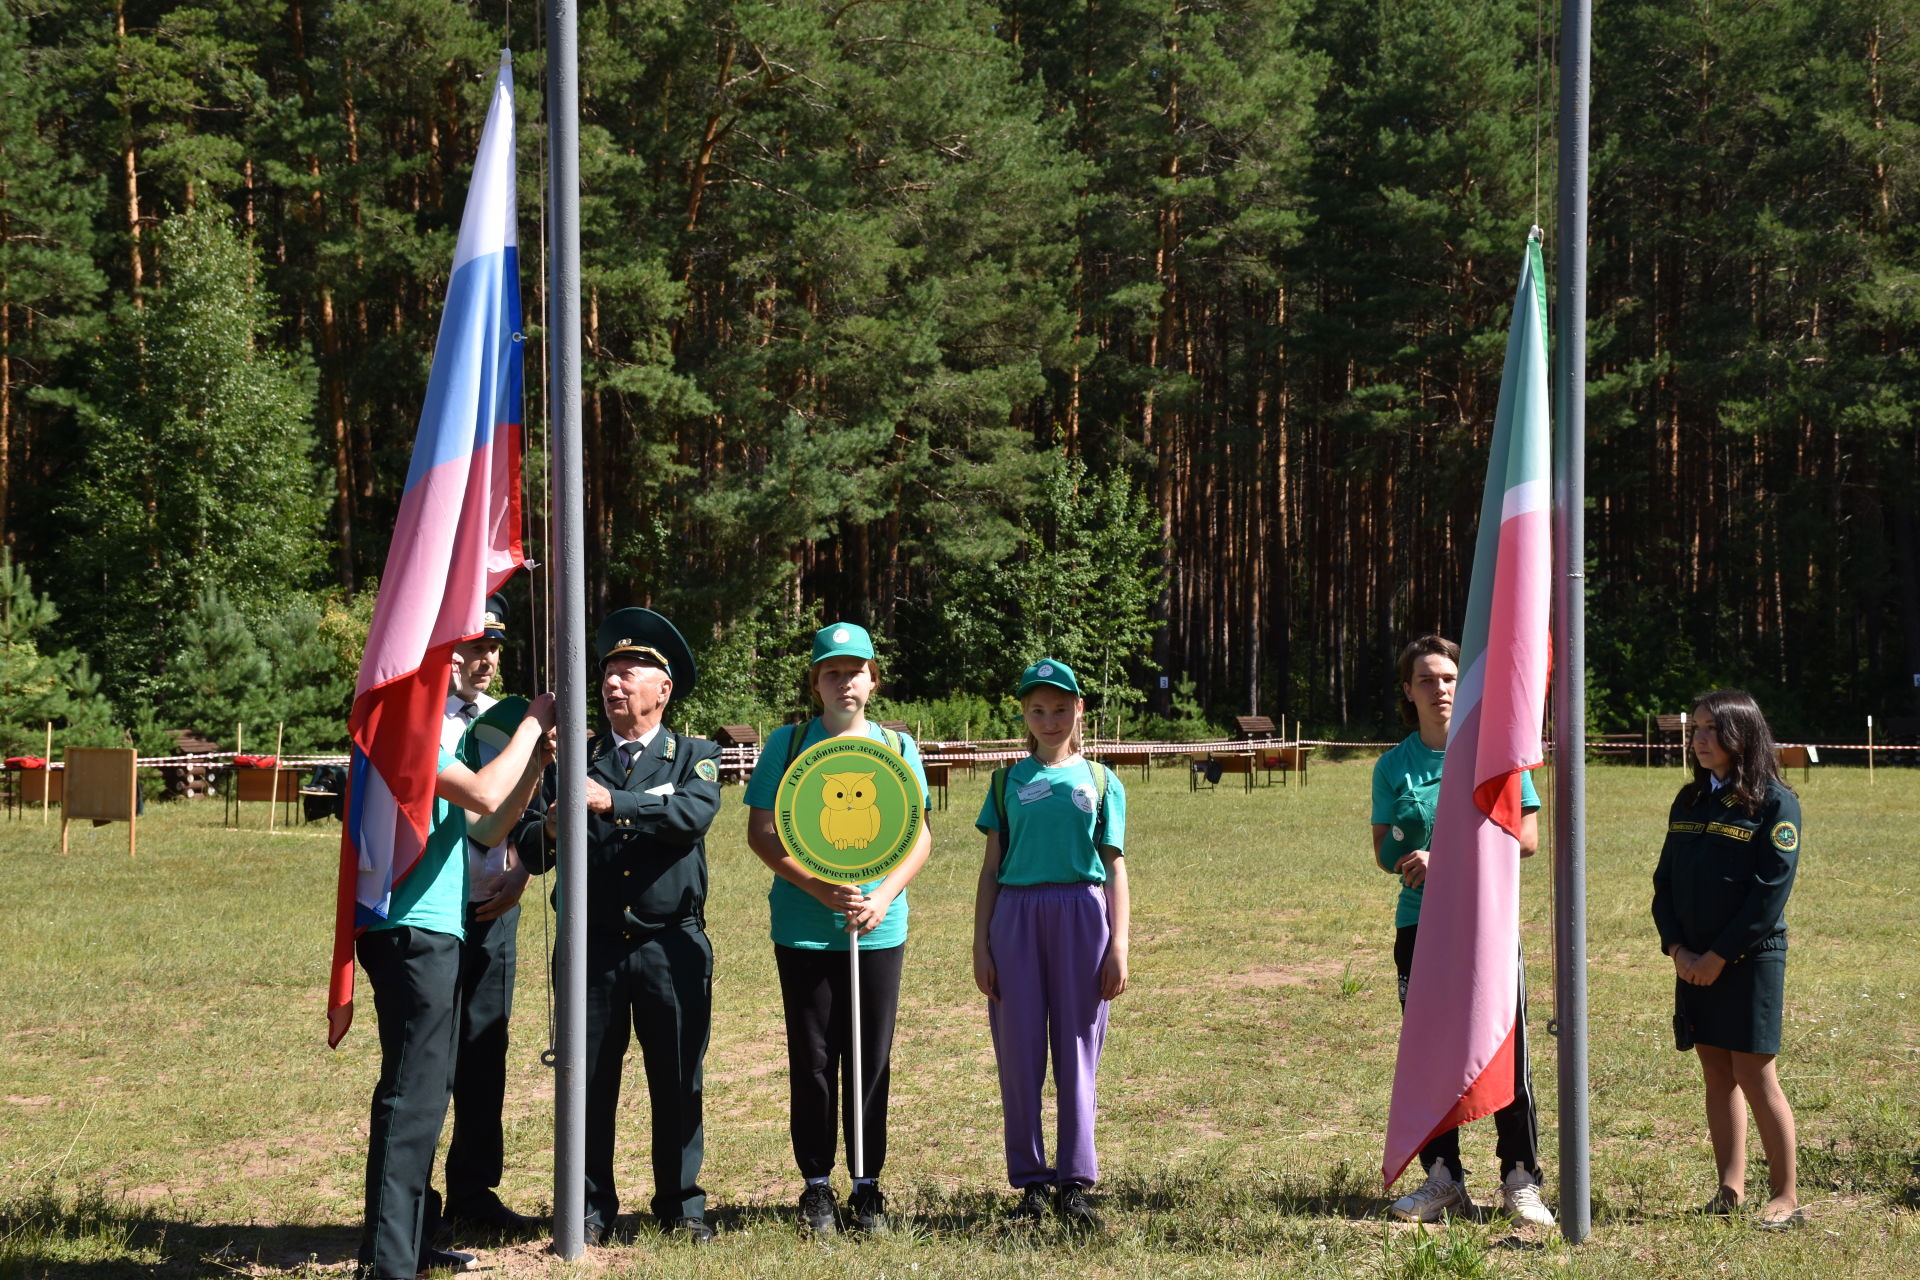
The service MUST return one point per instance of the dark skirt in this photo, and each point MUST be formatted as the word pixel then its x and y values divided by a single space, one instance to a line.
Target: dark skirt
pixel 1741 1010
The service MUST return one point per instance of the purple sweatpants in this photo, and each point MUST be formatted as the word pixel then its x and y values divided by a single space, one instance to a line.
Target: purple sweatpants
pixel 1048 941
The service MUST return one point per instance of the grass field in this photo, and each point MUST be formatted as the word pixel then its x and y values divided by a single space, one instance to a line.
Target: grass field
pixel 168 1106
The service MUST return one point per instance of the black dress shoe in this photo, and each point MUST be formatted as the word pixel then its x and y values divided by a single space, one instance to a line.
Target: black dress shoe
pixel 692 1230
pixel 445 1260
pixel 595 1233
pixel 491 1215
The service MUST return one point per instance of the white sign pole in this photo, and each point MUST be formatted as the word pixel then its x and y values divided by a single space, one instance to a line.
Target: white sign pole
pixel 856 1095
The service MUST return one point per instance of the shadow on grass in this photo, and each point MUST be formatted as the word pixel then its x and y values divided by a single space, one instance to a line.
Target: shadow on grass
pixel 47 1236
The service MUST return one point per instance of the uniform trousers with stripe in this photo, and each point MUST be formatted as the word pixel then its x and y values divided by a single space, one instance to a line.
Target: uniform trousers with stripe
pixel 476 1156
pixel 652 982
pixel 1048 942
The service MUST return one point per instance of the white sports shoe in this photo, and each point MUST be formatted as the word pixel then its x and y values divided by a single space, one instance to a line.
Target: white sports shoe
pixel 1430 1202
pixel 1520 1199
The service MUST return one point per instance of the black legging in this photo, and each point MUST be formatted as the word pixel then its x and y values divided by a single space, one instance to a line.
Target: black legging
pixel 816 990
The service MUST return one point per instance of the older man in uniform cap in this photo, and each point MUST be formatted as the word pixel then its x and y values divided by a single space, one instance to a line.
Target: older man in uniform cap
pixel 496 879
pixel 651 795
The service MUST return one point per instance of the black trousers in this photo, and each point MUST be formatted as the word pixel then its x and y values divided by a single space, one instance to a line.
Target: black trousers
pixel 415 974
pixel 656 985
pixel 476 1157
pixel 1516 1125
pixel 817 991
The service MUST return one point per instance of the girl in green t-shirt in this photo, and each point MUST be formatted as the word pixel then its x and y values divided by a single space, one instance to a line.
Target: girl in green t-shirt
pixel 811 919
pixel 1050 932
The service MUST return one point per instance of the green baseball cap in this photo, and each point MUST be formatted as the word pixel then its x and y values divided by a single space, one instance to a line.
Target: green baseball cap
pixel 841 640
pixel 1049 671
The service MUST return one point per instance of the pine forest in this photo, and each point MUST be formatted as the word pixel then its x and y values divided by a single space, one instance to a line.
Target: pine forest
pixel 1162 336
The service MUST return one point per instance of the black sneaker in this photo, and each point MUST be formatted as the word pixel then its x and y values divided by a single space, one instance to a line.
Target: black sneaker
pixel 867 1208
pixel 1032 1209
pixel 819 1209
pixel 1074 1209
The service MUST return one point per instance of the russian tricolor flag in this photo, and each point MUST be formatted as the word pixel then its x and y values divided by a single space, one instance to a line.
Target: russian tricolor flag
pixel 456 540
pixel 1457 1035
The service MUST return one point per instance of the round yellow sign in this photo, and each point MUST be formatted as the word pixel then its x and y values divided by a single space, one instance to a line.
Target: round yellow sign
pixel 849 809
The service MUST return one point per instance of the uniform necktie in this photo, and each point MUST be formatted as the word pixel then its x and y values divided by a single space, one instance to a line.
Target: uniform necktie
pixel 626 757
pixel 467 711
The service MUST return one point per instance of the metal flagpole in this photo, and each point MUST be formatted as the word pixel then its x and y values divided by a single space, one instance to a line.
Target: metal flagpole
pixel 569 508
pixel 856 1098
pixel 1570 641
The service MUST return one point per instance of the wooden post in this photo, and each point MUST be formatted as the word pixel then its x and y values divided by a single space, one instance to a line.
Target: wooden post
pixel 1646 741
pixel 46 792
pixel 1869 750
pixel 273 807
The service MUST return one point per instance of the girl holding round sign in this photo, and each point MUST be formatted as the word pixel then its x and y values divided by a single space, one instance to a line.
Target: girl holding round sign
pixel 1050 935
pixel 837 809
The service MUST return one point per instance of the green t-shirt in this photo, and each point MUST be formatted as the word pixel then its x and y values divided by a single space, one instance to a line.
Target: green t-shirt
pixel 1050 820
pixel 798 918
pixel 1406 790
pixel 434 894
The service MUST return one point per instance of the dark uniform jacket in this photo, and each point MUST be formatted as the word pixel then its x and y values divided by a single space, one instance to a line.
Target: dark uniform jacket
pixel 1724 876
pixel 647 858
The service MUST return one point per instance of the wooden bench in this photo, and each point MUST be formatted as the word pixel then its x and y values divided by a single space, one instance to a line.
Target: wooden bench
pixel 34 787
pixel 1286 760
pixel 1801 758
pixel 1902 735
pixel 1218 764
pixel 274 786
pixel 1676 727
pixel 937 779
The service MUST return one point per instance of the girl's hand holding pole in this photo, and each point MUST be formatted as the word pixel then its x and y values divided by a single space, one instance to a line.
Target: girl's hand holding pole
pixel 872 909
pixel 844 898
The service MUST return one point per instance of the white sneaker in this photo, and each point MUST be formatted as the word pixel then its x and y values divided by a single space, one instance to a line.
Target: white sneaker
pixel 1439 1193
pixel 1520 1199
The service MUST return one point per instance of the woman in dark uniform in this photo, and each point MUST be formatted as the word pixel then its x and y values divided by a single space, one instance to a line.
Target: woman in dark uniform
pixel 1719 898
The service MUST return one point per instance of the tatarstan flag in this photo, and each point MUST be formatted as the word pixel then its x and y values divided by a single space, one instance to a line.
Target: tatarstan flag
pixel 456 540
pixel 1457 1047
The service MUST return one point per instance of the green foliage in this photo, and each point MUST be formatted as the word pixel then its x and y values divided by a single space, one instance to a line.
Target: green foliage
pixel 1460 1252
pixel 281 672
pixel 858 276
pixel 1187 721
pixel 753 672
pixel 961 717
pixel 38 687
pixel 1081 587
pixel 196 474
pixel 48 280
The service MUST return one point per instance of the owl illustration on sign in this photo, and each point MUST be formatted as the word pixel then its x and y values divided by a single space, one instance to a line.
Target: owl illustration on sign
pixel 848 819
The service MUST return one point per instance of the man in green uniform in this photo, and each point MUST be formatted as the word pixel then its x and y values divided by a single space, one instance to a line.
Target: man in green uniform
pixel 651 795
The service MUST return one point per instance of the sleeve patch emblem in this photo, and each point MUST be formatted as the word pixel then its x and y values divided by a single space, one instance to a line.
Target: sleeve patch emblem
pixel 707 769
pixel 1786 837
